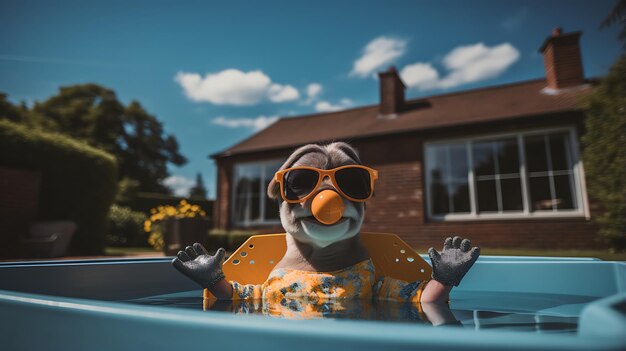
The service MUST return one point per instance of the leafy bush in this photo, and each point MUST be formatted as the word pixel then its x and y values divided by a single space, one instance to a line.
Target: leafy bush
pixel 78 182
pixel 126 227
pixel 604 154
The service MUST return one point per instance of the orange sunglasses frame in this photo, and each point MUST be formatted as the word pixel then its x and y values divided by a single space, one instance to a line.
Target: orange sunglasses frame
pixel 322 174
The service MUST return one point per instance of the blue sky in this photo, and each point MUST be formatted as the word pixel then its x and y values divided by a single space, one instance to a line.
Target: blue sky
pixel 215 72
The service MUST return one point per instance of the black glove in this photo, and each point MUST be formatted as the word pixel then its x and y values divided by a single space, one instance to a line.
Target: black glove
pixel 196 263
pixel 454 262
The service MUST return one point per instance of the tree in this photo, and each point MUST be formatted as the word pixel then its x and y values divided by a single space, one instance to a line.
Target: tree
pixel 87 112
pixel 22 114
pixel 9 111
pixel 93 114
pixel 147 150
pixel 604 153
pixel 198 190
pixel 617 15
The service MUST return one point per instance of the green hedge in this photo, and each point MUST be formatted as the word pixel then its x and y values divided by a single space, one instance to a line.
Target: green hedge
pixel 78 182
pixel 126 227
pixel 604 154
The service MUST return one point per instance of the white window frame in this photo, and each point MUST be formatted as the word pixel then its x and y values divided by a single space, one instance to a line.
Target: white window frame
pixel 262 191
pixel 582 208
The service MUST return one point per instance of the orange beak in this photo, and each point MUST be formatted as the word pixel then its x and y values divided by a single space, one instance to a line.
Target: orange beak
pixel 327 207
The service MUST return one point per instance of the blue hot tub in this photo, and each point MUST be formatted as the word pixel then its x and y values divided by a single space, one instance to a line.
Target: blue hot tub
pixel 512 303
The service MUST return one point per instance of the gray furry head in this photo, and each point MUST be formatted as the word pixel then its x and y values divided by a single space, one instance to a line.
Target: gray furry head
pixel 297 218
pixel 326 156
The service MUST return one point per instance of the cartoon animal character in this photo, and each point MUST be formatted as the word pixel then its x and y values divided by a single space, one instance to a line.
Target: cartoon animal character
pixel 322 190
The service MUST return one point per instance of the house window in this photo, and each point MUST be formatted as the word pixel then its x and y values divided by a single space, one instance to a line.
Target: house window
pixel 515 175
pixel 251 205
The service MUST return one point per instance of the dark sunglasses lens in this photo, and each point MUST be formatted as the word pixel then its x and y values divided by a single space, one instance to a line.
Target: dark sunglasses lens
pixel 299 183
pixel 354 182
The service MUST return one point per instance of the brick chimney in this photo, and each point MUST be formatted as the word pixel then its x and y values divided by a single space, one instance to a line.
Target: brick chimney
pixel 391 93
pixel 561 57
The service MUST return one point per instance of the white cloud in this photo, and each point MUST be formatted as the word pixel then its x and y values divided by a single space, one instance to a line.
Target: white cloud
pixel 379 52
pixel 256 124
pixel 478 62
pixel 419 75
pixel 282 93
pixel 325 106
pixel 313 90
pixel 466 64
pixel 234 87
pixel 179 184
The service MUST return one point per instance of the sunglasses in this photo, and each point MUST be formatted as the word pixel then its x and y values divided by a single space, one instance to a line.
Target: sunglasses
pixel 354 182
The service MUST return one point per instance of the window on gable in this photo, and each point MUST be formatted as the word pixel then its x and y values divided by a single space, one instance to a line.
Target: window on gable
pixel 497 176
pixel 449 187
pixel 251 205
pixel 551 178
pixel 523 174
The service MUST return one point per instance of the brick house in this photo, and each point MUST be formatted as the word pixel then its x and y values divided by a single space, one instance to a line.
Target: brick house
pixel 500 165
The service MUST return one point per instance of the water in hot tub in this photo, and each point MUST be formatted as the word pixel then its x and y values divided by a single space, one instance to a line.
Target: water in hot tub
pixel 540 313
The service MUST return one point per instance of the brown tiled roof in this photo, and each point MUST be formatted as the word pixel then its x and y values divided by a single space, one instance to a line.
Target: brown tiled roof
pixel 462 108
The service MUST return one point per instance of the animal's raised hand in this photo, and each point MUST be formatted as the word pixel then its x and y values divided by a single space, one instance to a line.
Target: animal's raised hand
pixel 454 261
pixel 196 263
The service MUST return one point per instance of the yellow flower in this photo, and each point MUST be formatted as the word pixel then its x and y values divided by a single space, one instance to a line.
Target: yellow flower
pixel 183 210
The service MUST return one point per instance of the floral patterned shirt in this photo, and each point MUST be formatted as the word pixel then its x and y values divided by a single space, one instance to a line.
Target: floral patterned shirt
pixel 297 294
pixel 355 282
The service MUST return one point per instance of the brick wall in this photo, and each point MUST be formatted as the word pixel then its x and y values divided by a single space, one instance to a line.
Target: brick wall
pixel 222 202
pixel 391 92
pixel 562 60
pixel 225 168
pixel 398 204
